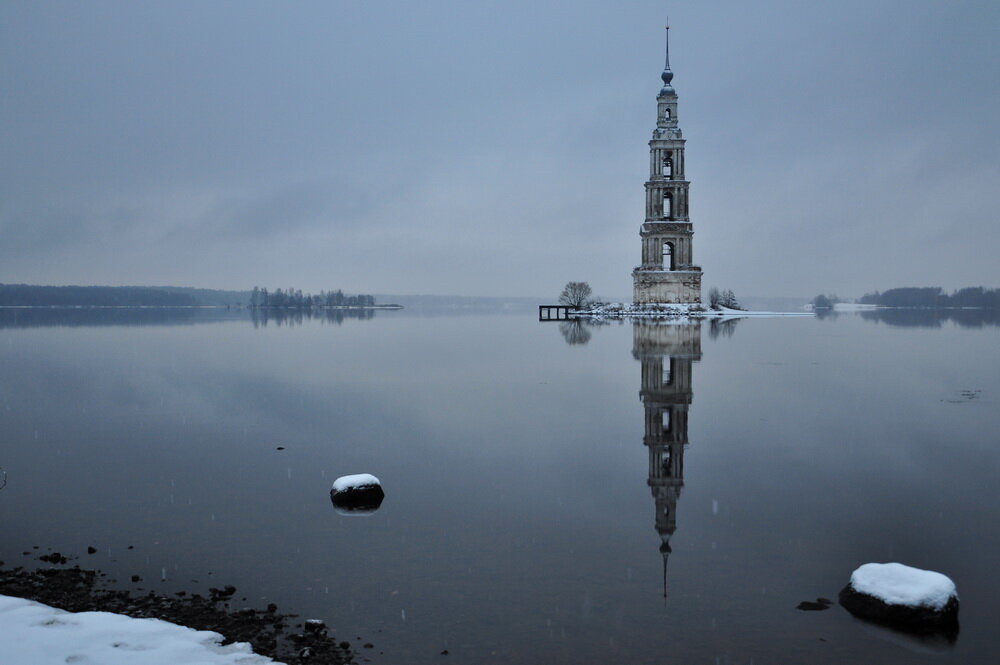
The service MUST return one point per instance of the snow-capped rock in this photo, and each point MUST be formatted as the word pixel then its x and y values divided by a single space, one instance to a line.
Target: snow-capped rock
pixel 361 492
pixel 902 596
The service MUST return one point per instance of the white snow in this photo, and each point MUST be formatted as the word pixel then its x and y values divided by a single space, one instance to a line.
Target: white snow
pixel 673 310
pixel 36 634
pixel 355 481
pixel 896 584
pixel 736 313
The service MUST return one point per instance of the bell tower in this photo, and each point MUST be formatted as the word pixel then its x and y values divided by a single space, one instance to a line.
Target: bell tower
pixel 667 273
pixel 667 353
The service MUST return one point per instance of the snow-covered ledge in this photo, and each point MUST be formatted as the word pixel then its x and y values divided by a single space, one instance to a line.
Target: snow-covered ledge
pixel 902 596
pixel 34 633
pixel 670 310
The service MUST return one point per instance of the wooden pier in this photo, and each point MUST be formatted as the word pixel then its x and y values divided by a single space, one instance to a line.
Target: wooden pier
pixel 556 313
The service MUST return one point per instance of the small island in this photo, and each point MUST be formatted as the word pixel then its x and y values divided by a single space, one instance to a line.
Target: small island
pixel 261 298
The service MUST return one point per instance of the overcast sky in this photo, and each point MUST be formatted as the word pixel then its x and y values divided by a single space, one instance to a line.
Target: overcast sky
pixel 495 147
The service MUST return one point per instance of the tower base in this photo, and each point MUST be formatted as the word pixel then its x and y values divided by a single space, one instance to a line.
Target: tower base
pixel 666 286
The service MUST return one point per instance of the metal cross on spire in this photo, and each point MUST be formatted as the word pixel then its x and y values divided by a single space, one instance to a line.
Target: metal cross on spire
pixel 667 75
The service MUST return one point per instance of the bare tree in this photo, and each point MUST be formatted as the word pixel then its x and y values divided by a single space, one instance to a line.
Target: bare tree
pixel 576 294
pixel 714 298
pixel 718 299
pixel 729 300
pixel 822 302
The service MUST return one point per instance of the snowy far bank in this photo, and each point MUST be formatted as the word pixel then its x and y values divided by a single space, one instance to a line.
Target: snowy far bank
pixel 36 634
pixel 673 310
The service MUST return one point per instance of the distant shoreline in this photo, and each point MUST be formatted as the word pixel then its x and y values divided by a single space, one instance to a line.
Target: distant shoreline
pixel 280 309
pixel 296 309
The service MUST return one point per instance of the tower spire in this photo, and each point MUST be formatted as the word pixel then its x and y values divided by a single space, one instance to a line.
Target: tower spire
pixel 665 551
pixel 667 75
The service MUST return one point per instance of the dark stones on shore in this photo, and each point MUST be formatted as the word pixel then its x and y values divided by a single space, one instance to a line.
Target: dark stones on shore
pixel 906 618
pixel 315 626
pixel 54 557
pixel 361 499
pixel 221 595
pixel 267 631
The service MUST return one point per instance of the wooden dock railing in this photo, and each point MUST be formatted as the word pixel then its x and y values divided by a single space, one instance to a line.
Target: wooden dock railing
pixel 556 312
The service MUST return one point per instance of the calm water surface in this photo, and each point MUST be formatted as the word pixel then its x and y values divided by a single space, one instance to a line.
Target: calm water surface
pixel 540 480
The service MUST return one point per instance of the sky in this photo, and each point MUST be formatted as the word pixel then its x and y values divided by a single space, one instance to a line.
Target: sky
pixel 495 148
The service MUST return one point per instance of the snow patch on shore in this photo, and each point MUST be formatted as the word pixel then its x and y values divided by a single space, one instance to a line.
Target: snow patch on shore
pixel 897 584
pixel 34 633
pixel 672 310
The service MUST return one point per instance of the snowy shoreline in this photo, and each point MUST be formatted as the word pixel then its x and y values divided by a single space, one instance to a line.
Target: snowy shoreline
pixel 38 634
pixel 673 311
pixel 53 614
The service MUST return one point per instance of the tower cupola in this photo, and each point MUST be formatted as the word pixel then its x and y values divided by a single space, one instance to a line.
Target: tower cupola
pixel 667 76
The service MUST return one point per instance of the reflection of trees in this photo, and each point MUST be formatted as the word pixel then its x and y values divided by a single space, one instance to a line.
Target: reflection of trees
pixel 44 317
pixel 579 331
pixel 933 318
pixel 667 352
pixel 722 327
pixel 575 331
pixel 295 317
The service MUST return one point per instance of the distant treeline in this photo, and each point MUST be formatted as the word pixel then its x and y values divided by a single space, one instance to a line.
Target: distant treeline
pixel 927 317
pixel 295 299
pixel 26 295
pixel 934 297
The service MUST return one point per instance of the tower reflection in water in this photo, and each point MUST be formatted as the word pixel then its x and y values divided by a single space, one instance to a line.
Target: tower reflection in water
pixel 667 352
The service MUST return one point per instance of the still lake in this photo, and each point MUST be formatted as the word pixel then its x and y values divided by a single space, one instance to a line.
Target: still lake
pixel 537 475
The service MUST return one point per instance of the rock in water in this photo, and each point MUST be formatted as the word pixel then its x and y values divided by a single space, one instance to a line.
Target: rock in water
pixel 902 597
pixel 360 492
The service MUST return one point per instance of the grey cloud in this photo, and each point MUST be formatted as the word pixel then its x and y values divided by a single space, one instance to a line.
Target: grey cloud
pixel 290 209
pixel 494 148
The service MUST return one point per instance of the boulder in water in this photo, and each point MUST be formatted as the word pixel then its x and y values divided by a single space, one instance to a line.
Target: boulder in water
pixel 361 492
pixel 903 597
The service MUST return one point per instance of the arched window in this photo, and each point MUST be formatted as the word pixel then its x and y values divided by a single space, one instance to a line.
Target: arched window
pixel 668 256
pixel 668 206
pixel 668 167
pixel 666 113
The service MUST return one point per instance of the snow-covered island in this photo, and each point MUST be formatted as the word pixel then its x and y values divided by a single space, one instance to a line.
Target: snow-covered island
pixel 902 596
pixel 669 310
